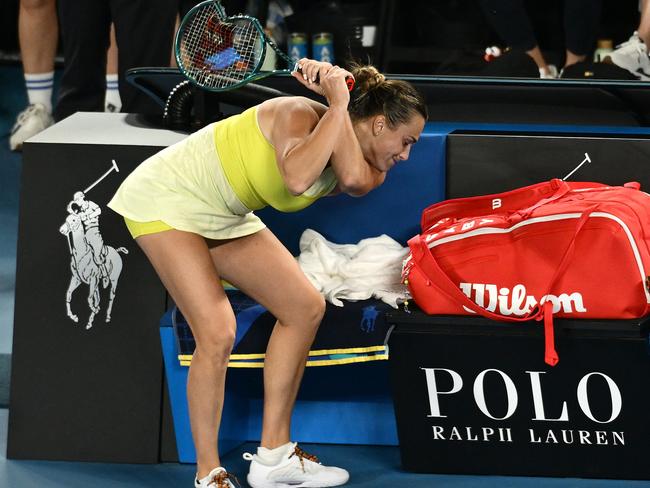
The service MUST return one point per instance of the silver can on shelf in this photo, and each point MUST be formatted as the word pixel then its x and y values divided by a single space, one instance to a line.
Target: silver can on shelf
pixel 297 45
pixel 322 45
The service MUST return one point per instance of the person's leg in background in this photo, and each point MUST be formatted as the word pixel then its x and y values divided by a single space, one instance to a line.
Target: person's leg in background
pixel 581 22
pixel 112 101
pixel 142 29
pixel 85 31
pixel 632 55
pixel 511 22
pixel 172 61
pixel 38 33
pixel 644 24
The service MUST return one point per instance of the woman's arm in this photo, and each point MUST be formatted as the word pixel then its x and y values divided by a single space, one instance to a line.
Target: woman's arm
pixel 304 139
pixel 355 176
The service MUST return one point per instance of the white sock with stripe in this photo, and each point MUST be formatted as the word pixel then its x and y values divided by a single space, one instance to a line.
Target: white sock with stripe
pixel 112 102
pixel 39 88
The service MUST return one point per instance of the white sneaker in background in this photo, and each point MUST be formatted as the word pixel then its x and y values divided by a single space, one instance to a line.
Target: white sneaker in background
pixel 218 478
pixel 632 55
pixel 29 122
pixel 548 73
pixel 295 470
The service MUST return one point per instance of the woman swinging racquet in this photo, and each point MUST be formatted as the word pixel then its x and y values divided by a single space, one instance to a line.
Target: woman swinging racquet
pixel 189 207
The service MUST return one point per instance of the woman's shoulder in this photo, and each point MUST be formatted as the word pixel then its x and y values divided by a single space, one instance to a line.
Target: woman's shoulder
pixel 294 111
pixel 294 105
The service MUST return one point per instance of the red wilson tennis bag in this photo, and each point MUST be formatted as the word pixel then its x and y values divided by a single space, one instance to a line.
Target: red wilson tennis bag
pixel 561 249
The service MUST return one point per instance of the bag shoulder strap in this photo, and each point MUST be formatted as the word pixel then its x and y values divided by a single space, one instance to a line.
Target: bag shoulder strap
pixel 500 203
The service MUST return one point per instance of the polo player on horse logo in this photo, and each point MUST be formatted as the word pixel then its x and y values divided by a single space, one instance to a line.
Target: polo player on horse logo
pixel 92 262
pixel 89 212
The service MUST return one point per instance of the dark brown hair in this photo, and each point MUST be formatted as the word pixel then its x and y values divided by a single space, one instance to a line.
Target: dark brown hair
pixel 374 95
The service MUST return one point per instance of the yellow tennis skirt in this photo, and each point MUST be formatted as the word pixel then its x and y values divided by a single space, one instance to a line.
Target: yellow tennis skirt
pixel 183 187
pixel 138 229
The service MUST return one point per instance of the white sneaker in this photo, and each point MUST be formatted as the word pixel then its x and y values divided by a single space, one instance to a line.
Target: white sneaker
pixel 30 122
pixel 550 73
pixel 295 470
pixel 632 55
pixel 218 478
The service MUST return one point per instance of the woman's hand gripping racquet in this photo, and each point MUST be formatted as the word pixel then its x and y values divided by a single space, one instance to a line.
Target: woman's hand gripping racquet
pixel 220 53
pixel 325 79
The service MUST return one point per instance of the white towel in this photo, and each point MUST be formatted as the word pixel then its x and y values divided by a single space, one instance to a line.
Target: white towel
pixel 371 268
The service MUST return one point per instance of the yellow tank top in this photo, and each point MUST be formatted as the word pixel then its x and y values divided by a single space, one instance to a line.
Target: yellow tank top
pixel 250 166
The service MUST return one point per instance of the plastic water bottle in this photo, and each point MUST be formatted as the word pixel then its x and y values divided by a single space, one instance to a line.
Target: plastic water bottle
pixel 604 47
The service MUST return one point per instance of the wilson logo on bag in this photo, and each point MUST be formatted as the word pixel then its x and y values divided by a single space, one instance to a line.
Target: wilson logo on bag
pixel 518 303
pixel 578 250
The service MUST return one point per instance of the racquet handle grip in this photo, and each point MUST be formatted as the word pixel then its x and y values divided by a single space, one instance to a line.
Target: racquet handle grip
pixel 349 81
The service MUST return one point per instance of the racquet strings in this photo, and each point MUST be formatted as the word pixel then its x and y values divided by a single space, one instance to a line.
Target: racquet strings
pixel 219 52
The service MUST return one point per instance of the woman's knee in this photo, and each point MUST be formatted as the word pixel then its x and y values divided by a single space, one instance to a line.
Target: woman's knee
pixel 320 307
pixel 313 309
pixel 214 336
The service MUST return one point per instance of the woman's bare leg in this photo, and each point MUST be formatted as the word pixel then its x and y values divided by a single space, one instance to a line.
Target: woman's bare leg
pixel 263 268
pixel 184 265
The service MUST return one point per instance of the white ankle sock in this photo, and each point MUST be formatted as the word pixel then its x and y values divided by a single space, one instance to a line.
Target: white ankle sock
pixel 112 102
pixel 271 457
pixel 39 88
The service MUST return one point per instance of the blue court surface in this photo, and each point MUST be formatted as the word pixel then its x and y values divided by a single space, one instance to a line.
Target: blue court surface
pixel 370 467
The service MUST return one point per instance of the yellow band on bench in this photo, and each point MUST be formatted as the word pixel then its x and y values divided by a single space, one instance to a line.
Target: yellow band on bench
pixel 138 229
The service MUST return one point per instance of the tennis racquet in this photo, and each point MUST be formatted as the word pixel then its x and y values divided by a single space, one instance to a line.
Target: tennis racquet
pixel 220 53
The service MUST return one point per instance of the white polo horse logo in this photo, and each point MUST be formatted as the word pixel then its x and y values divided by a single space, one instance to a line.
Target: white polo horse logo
pixel 92 262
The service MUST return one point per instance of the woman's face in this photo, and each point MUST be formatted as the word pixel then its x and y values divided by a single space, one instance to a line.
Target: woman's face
pixel 384 147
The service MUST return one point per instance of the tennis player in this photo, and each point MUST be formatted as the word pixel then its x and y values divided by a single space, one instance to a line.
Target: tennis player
pixel 190 208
